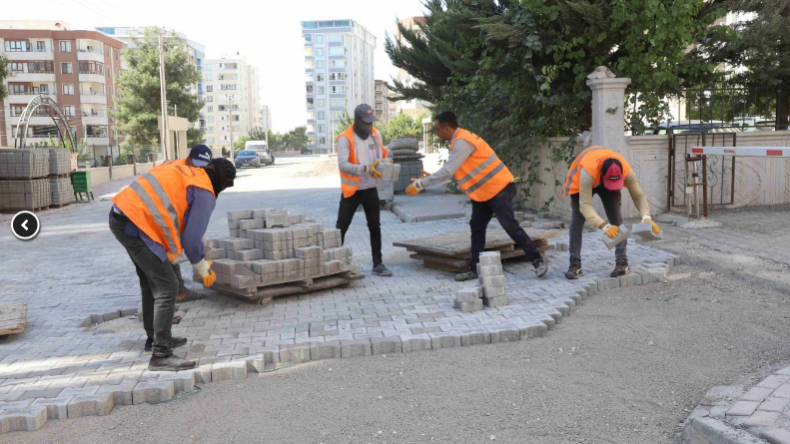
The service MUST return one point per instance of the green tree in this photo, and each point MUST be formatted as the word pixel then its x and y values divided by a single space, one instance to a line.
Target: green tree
pixel 195 136
pixel 240 143
pixel 342 124
pixel 403 126
pixel 759 42
pixel 140 103
pixel 257 133
pixel 4 72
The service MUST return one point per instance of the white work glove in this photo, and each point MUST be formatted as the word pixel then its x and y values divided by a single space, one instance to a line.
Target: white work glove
pixel 646 219
pixel 203 269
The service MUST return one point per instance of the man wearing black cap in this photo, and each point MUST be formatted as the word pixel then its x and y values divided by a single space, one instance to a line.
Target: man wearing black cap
pixel 359 151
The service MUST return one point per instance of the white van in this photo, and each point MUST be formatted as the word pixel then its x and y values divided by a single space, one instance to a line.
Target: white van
pixel 260 147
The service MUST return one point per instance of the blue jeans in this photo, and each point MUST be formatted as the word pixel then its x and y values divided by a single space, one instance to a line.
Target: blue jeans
pixel 500 206
pixel 611 204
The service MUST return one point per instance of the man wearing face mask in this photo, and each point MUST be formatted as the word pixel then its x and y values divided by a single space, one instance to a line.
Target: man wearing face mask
pixel 157 217
pixel 359 151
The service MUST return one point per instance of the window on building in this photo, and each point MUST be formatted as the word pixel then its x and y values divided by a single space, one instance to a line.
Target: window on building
pixel 309 89
pixel 310 101
pixel 322 141
pixel 106 51
pixel 43 88
pixel 321 128
pixel 308 38
pixel 65 68
pixel 337 63
pixel 68 89
pixel 319 39
pixel 210 119
pixel 209 88
pixel 117 72
pixel 337 51
pixel 319 64
pixel 310 25
pixel 308 64
pixel 19 67
pixel 117 54
pixel 65 46
pixel 69 111
pixel 321 90
pixel 210 109
pixel 319 78
pixel 321 103
pixel 338 89
pixel 337 102
pixel 208 67
pixel 209 78
pixel 336 38
pixel 308 52
pixel 41 46
pixel 109 89
pixel 16 45
pixel 209 99
pixel 321 115
pixel 236 118
pixel 319 52
pixel 40 67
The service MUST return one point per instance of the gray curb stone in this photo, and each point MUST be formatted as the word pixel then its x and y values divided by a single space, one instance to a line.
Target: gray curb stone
pixel 57 408
pixel 325 350
pixel 224 371
pixel 411 343
pixel 386 346
pixel 355 347
pixel 25 420
pixel 448 339
pixel 711 431
pixel 295 353
pixel 91 405
pixel 153 392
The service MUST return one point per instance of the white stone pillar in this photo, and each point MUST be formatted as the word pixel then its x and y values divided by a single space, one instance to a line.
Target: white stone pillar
pixel 608 126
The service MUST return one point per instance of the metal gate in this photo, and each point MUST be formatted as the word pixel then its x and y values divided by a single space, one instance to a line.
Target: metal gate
pixel 719 171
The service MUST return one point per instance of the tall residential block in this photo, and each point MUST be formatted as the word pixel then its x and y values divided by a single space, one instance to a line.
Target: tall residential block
pixel 382 105
pixel 231 106
pixel 77 69
pixel 338 75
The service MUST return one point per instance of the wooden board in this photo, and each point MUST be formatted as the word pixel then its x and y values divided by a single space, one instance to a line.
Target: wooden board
pixel 458 265
pixel 13 318
pixel 266 294
pixel 459 244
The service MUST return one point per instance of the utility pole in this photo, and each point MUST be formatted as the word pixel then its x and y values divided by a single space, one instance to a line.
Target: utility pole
pixel 163 92
pixel 230 118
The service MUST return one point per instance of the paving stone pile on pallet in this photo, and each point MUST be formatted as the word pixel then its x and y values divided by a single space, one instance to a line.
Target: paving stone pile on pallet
pixel 62 191
pixel 23 183
pixel 59 162
pixel 271 247
pixel 28 194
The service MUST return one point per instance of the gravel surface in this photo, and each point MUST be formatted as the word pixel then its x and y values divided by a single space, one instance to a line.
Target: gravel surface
pixel 627 367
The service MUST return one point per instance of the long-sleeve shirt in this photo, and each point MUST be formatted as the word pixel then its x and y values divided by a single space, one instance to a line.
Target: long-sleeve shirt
pixel 586 183
pixel 368 151
pixel 461 150
pixel 200 205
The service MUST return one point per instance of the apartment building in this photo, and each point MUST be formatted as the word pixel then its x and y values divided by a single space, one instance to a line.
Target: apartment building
pixel 232 100
pixel 77 69
pixel 412 107
pixel 338 75
pixel 266 118
pixel 382 105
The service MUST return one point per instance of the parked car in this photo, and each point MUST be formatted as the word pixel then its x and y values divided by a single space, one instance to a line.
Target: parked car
pixel 693 127
pixel 260 147
pixel 247 158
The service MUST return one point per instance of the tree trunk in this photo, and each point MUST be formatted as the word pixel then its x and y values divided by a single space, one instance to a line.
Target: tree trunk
pixel 783 107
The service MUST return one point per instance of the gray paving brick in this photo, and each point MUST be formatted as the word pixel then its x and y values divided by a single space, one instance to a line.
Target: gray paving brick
pixel 57 408
pixel 355 347
pixel 774 404
pixel 762 419
pixel 223 371
pixel 202 374
pixel 504 333
pixel 608 284
pixel 743 408
pixel 386 345
pixel 91 405
pixel 184 381
pixel 774 381
pixel 445 340
pixel 153 392
pixel 121 393
pixel 630 280
pixel 24 420
pixel 295 353
pixel 756 394
pixel 776 436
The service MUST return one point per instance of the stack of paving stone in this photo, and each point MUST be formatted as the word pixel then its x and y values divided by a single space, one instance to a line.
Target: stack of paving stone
pixel 59 182
pixel 59 162
pixel 469 298
pixel 270 247
pixel 492 277
pixel 404 153
pixel 23 179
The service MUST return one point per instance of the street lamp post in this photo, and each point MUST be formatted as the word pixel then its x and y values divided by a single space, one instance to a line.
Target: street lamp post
pixel 163 91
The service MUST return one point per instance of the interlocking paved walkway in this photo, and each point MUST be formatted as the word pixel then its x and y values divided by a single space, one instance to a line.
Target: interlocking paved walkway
pixel 75 273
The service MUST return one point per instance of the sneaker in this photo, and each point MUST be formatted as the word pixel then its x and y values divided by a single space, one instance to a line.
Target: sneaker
pixel 468 276
pixel 621 268
pixel 175 341
pixel 170 363
pixel 574 271
pixel 381 270
pixel 190 295
pixel 541 267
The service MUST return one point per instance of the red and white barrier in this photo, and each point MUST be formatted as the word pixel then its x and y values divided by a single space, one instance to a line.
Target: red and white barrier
pixel 742 151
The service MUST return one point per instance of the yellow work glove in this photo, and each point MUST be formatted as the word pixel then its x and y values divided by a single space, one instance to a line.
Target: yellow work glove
pixel 656 230
pixel 372 171
pixel 415 188
pixel 611 230
pixel 207 275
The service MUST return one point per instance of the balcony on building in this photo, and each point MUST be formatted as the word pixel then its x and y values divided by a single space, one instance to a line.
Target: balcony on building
pixel 28 49
pixel 94 115
pixel 97 135
pixel 90 50
pixel 31 71
pixel 25 92
pixel 93 93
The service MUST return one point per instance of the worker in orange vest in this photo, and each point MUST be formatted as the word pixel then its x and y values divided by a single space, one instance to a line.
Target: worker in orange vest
pixel 601 171
pixel 359 151
pixel 488 183
pixel 163 213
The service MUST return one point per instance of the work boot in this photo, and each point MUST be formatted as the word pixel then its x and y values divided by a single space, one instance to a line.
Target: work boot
pixel 621 268
pixel 467 276
pixel 541 267
pixel 574 271
pixel 175 341
pixel 170 363
pixel 381 270
pixel 189 295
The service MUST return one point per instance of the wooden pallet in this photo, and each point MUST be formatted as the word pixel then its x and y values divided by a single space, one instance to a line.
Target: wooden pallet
pixel 452 252
pixel 266 294
pixel 13 318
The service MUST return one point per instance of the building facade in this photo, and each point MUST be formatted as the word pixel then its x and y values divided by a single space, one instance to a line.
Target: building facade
pixel 382 105
pixel 266 118
pixel 413 107
pixel 77 69
pixel 338 76
pixel 232 100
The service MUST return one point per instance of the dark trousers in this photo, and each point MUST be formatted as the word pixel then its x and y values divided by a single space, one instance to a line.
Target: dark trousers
pixel 500 206
pixel 158 283
pixel 611 205
pixel 369 199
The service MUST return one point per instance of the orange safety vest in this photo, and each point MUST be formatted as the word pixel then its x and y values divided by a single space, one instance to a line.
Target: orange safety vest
pixel 156 203
pixel 483 175
pixel 592 160
pixel 348 183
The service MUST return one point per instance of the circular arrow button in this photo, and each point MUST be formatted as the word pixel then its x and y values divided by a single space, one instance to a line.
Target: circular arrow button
pixel 25 225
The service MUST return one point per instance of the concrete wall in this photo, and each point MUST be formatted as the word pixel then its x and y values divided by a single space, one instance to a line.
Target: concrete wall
pixel 102 175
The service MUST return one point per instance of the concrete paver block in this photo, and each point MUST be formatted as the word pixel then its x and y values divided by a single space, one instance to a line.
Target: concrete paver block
pixel 774 404
pixel 653 275
pixel 533 329
pixel 621 236
pixel 223 371
pixel 153 392
pixel 325 350
pixel 355 347
pixel 412 343
pixel 91 405
pixel 295 353
pixel 776 436
pixel 608 284
pixel 122 393
pixel 202 374
pixel 496 301
pixel 762 419
pixel 630 280
pixel 386 345
pixel 490 258
pixel 774 381
pixel 470 293
pixel 184 380
pixel 470 306
pixel 504 333
pixel 756 394
pixel 645 231
pixel 743 408
pixel 783 391
pixel 475 337
pixel 445 339
pixel 57 408
pixel 25 420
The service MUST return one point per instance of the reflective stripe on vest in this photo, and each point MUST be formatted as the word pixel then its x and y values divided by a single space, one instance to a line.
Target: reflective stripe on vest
pixel 483 174
pixel 578 163
pixel 160 192
pixel 157 215
pixel 351 183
